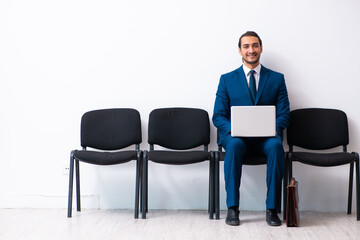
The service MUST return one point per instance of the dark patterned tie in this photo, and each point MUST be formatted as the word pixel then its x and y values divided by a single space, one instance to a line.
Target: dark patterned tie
pixel 252 85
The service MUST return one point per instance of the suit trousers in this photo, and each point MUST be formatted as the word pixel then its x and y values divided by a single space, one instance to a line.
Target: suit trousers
pixel 236 148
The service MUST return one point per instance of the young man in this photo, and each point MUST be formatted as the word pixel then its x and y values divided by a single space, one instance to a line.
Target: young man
pixel 251 84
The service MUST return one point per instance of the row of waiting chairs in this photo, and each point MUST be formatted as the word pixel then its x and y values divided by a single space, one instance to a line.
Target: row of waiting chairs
pixel 112 130
pixel 180 130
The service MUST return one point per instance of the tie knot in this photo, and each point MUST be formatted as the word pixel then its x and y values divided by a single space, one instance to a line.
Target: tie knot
pixel 252 72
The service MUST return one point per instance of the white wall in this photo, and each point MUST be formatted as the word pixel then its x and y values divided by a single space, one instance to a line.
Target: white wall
pixel 59 59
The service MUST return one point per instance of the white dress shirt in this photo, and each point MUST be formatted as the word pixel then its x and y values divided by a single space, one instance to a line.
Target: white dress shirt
pixel 256 74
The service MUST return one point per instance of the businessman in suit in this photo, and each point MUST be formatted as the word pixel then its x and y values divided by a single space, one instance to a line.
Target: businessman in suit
pixel 251 84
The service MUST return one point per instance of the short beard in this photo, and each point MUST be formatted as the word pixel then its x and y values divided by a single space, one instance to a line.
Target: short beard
pixel 253 62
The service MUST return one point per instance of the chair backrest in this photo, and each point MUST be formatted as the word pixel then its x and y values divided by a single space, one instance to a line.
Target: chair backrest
pixel 179 128
pixel 317 128
pixel 110 129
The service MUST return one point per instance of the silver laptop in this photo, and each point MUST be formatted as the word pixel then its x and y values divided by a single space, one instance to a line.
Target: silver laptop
pixel 253 121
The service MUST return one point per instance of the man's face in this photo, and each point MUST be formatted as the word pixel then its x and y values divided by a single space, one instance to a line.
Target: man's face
pixel 250 50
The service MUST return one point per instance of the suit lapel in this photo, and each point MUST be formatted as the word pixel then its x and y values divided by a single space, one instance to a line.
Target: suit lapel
pixel 264 75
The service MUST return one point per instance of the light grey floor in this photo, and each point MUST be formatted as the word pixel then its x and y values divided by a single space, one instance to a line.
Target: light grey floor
pixel 165 224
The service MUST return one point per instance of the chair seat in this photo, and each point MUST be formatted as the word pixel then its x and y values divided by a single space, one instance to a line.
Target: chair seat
pixel 323 159
pixel 249 159
pixel 178 157
pixel 105 158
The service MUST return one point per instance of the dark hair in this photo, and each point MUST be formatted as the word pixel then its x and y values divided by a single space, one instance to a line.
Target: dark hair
pixel 248 34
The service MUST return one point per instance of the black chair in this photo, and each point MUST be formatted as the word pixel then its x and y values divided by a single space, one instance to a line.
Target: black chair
pixel 251 160
pixel 108 130
pixel 322 129
pixel 177 129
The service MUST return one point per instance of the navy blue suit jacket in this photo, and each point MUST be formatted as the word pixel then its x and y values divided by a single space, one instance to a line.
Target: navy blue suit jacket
pixel 233 90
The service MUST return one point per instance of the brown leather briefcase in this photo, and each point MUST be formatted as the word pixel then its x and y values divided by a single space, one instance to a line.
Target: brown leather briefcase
pixel 292 204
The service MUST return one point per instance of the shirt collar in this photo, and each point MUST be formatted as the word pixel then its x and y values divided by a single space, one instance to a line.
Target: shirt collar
pixel 247 70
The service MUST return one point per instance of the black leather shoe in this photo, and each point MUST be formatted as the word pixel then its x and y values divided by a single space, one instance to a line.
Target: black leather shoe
pixel 272 218
pixel 232 217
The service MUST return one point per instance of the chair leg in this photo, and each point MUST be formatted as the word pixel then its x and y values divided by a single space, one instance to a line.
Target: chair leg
pixel 209 202
pixel 77 170
pixel 211 187
pixel 71 180
pixel 137 183
pixel 216 180
pixel 351 177
pixel 357 187
pixel 144 186
pixel 285 183
pixel 278 202
pixel 147 189
pixel 140 185
pixel 290 172
pixel 289 176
